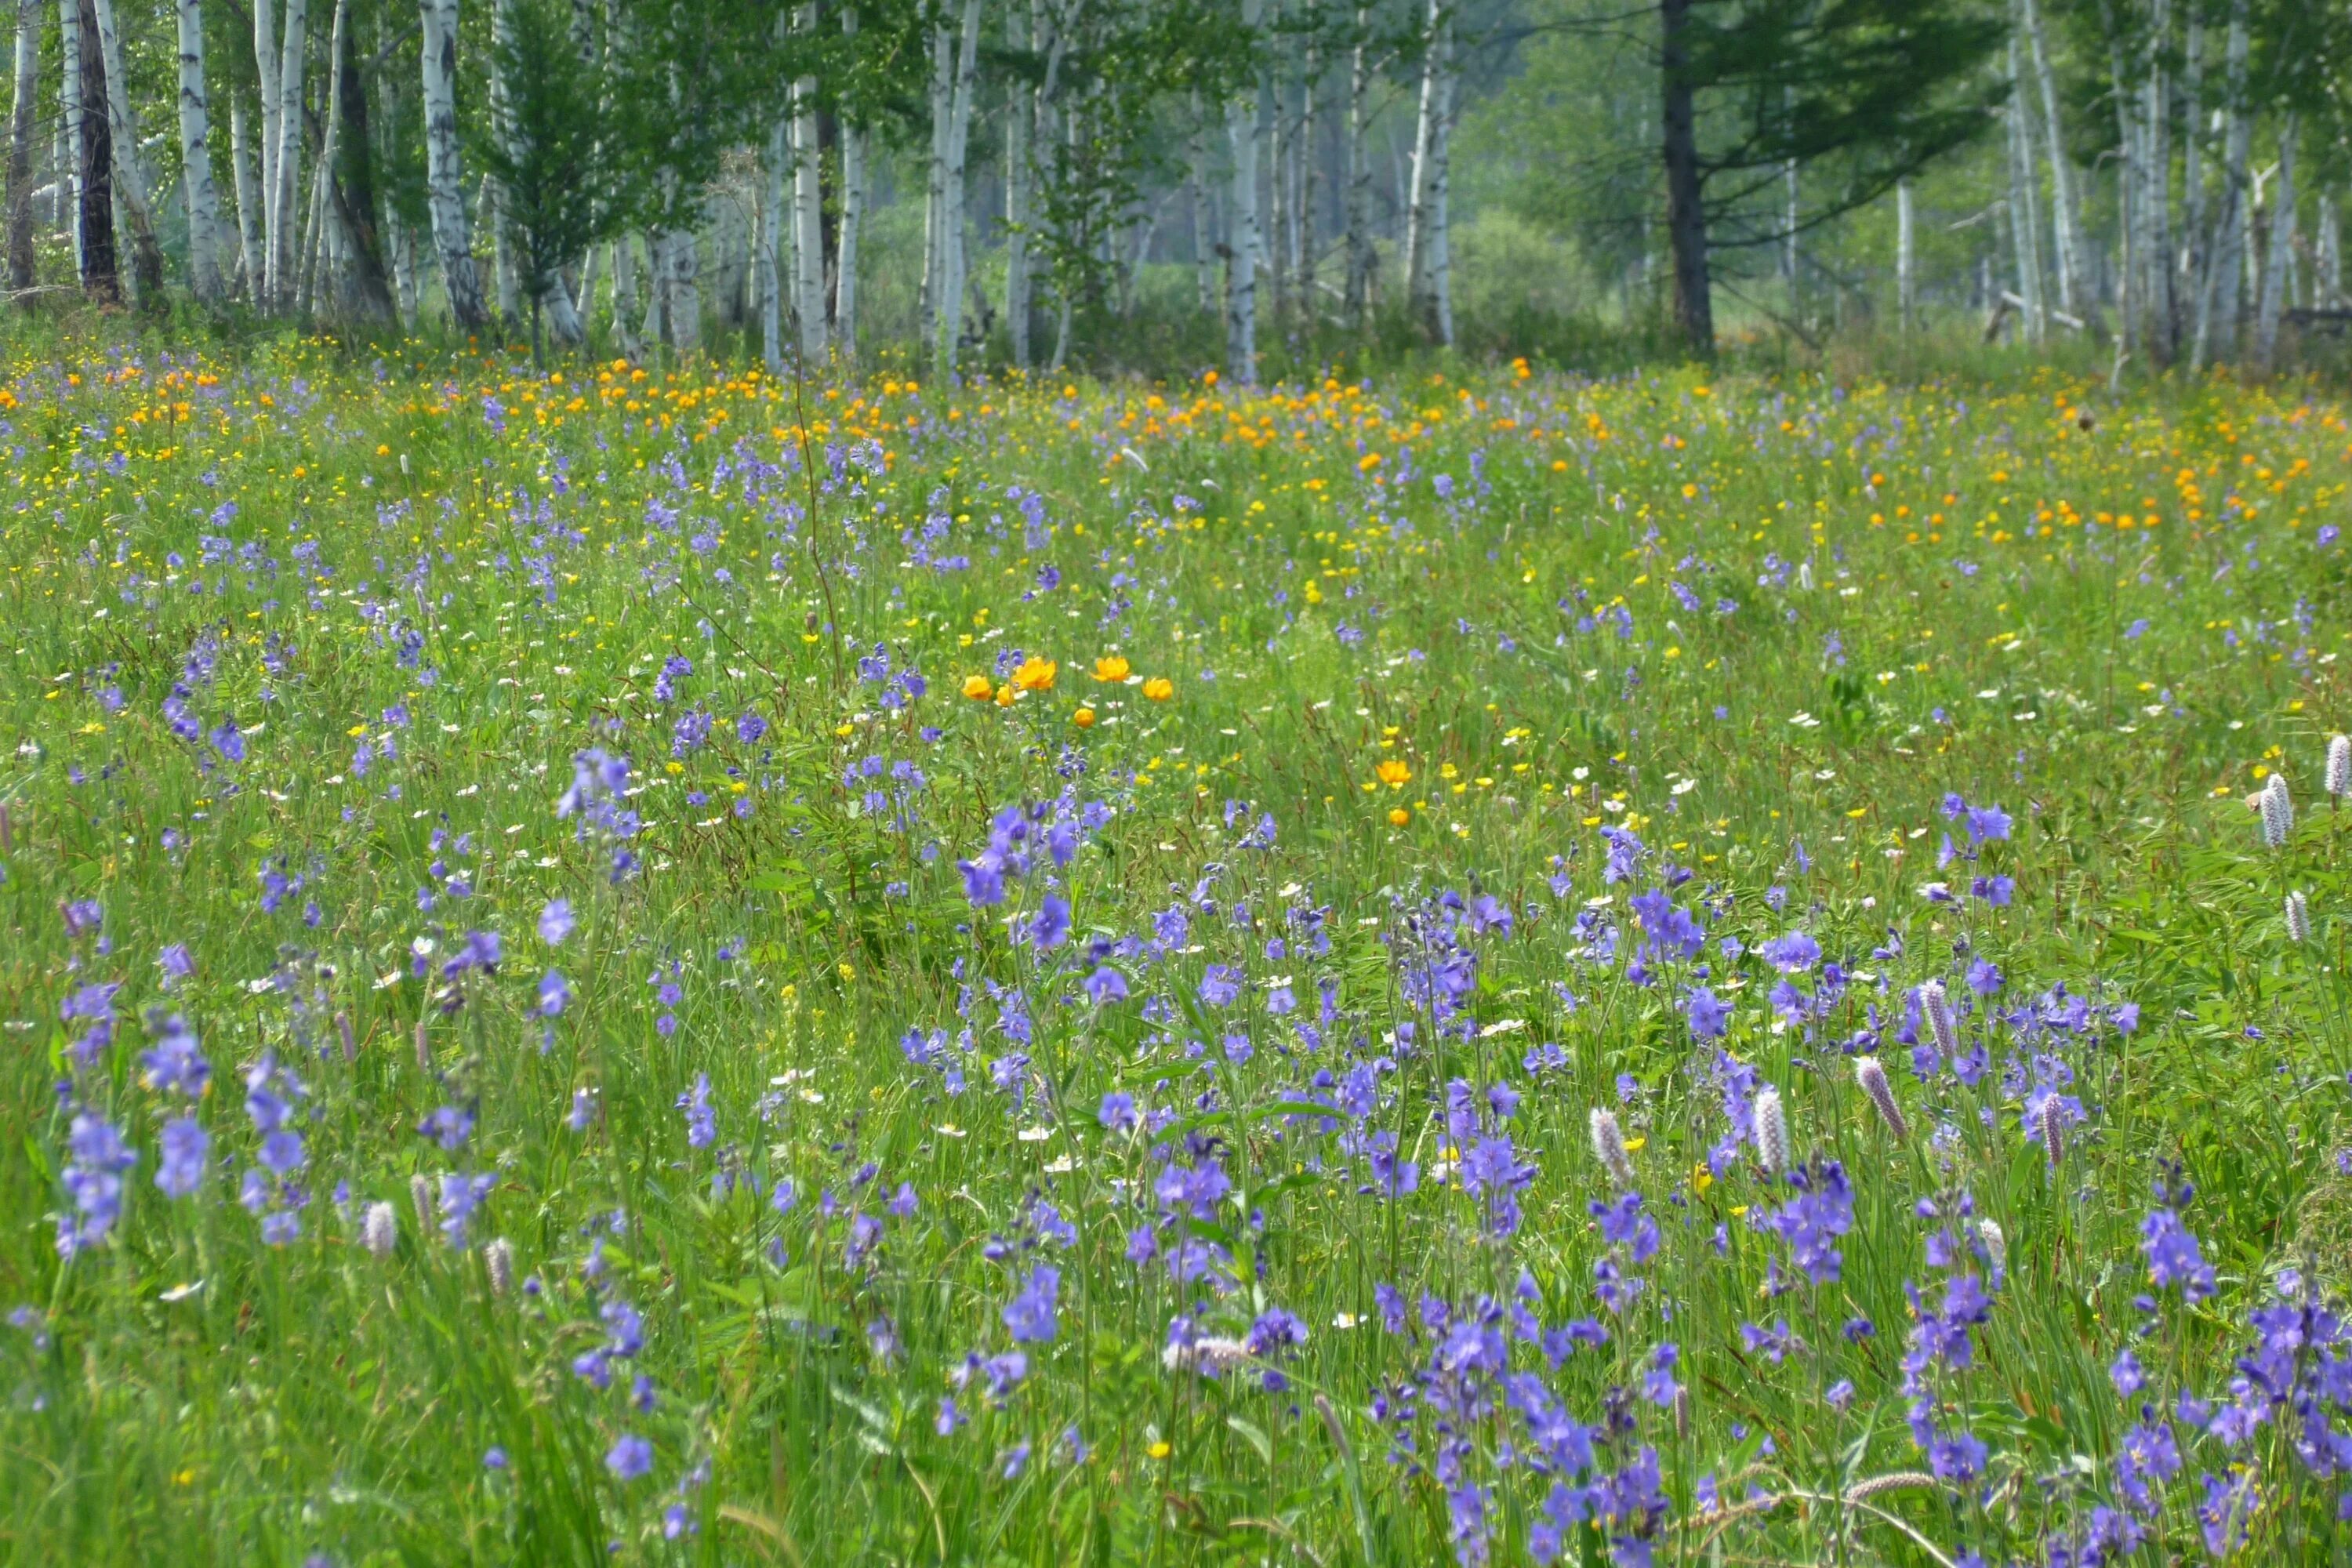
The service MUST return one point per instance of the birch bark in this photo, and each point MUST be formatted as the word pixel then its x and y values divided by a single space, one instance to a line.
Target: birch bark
pixel 248 199
pixel 444 178
pixel 808 211
pixel 1357 292
pixel 94 213
pixel 948 306
pixel 266 46
pixel 2025 231
pixel 1245 129
pixel 852 222
pixel 285 194
pixel 2074 285
pixel 196 158
pixel 133 186
pixel 20 147
pixel 1906 278
pixel 2276 255
pixel 1019 106
pixel 2219 297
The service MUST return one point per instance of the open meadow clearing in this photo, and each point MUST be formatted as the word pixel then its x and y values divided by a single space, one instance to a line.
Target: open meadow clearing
pixel 621 964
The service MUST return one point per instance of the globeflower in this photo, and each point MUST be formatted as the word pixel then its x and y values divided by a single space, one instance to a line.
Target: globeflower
pixel 1111 668
pixel 978 687
pixel 1393 773
pixel 1159 689
pixel 1036 675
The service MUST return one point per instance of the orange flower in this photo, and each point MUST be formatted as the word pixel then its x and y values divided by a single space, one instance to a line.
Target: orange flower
pixel 978 687
pixel 1393 773
pixel 1159 688
pixel 1036 675
pixel 1110 669
pixel 1399 817
pixel 1083 718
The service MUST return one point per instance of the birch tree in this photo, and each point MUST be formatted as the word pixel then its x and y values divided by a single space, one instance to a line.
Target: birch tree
pixel 133 186
pixel 1428 264
pixel 196 158
pixel 444 178
pixel 2074 294
pixel 808 206
pixel 1246 131
pixel 2278 251
pixel 94 157
pixel 2215 328
pixel 286 159
pixel 21 122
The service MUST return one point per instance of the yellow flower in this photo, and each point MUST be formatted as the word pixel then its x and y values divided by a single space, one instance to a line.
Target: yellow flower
pixel 1083 718
pixel 1368 462
pixel 1159 688
pixel 978 688
pixel 1399 817
pixel 1036 675
pixel 1393 773
pixel 1110 669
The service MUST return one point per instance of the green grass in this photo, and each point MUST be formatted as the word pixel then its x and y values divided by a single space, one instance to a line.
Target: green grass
pixel 1933 597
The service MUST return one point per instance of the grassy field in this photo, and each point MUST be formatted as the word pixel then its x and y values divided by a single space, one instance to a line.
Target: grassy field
pixel 668 967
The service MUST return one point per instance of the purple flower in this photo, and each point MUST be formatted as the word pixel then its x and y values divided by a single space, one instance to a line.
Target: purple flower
pixel 630 1457
pixel 93 1181
pixel 701 1121
pixel 1051 923
pixel 182 1146
pixel 1029 1316
pixel 1104 985
pixel 1222 985
pixel 556 921
pixel 2174 1256
pixel 1792 953
pixel 1708 1014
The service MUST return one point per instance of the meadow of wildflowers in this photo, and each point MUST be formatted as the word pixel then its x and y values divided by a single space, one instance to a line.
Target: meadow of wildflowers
pixel 643 966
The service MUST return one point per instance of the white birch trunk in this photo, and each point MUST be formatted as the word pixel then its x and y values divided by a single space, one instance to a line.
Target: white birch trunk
pixel 808 212
pixel 2237 206
pixel 1417 203
pixel 401 240
pixel 196 158
pixel 1907 261
pixel 2128 199
pixel 318 247
pixel 1204 243
pixel 286 194
pixel 852 224
pixel 134 185
pixel 768 249
pixel 2074 285
pixel 2278 254
pixel 2024 209
pixel 1357 291
pixel 1018 108
pixel 265 60
pixel 2155 196
pixel 682 296
pixel 1439 267
pixel 1246 129
pixel 23 113
pixel 509 281
pixel 2195 240
pixel 69 118
pixel 2330 270
pixel 942 97
pixel 248 199
pixel 443 179
pixel 950 277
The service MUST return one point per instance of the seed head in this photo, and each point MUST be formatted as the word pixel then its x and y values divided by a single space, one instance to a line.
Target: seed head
pixel 1609 1148
pixel 1771 1131
pixel 380 1229
pixel 1873 1079
pixel 1938 1009
pixel 2278 813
